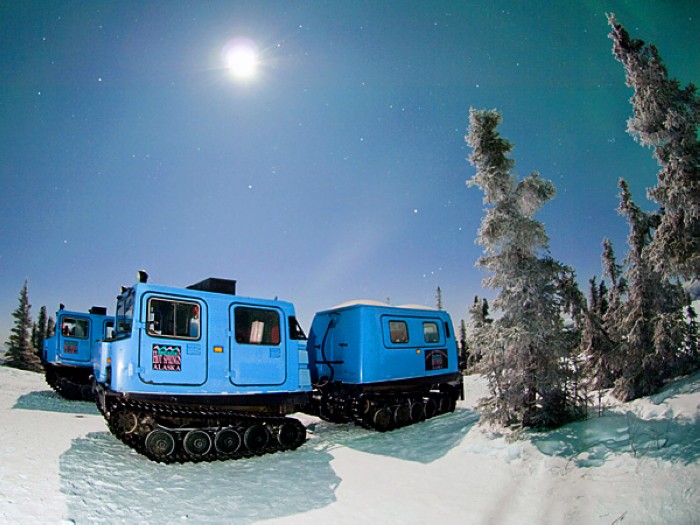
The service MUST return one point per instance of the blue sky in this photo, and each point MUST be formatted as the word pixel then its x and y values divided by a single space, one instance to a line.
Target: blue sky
pixel 337 173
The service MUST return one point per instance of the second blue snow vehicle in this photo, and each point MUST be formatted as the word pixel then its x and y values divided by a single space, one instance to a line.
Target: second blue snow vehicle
pixel 383 366
pixel 67 356
pixel 200 373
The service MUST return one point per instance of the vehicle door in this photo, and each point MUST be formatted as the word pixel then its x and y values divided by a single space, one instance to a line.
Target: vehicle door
pixel 258 345
pixel 74 341
pixel 172 341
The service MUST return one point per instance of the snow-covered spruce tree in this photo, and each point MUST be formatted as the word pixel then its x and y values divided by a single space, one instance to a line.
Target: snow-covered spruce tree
pixel 618 287
pixel 438 298
pixel 666 119
pixel 526 353
pixel 690 357
pixel 20 351
pixel 573 305
pixel 463 333
pixel 463 346
pixel 603 331
pixel 596 346
pixel 476 330
pixel 651 327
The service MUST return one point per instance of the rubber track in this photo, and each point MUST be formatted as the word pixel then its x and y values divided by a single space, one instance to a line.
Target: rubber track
pixel 338 409
pixel 240 421
pixel 68 389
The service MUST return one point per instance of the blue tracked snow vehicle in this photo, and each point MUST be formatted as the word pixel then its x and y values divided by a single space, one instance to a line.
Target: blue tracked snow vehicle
pixel 381 366
pixel 67 356
pixel 199 373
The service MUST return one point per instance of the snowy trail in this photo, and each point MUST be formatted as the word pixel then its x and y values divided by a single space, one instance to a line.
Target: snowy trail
pixel 637 464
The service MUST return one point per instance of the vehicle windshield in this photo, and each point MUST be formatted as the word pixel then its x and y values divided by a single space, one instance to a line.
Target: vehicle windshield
pixel 125 313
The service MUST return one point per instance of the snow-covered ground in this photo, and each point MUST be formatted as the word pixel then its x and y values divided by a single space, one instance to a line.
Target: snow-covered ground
pixel 638 463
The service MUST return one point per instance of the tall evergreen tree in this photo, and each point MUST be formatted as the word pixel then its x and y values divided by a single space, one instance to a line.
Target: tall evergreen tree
pixel 603 298
pixel 526 351
pixel 463 346
pixel 50 327
pixel 39 331
pixel 463 333
pixel 594 299
pixel 690 359
pixel 20 351
pixel 596 345
pixel 613 312
pixel 665 118
pixel 652 326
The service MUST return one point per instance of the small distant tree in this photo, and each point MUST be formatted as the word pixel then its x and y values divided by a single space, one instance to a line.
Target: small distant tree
pixel 476 329
pixel 526 356
pixel 665 118
pixel 463 346
pixel 438 298
pixel 20 351
pixel 463 333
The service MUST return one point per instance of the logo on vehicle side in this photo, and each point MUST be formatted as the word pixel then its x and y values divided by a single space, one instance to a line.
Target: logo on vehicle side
pixel 167 357
pixel 435 359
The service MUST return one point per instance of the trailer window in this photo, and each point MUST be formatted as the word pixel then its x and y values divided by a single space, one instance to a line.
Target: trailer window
pixel 431 333
pixel 398 331
pixel 175 319
pixel 257 326
pixel 72 327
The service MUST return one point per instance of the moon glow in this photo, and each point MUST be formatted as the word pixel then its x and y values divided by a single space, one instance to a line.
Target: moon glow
pixel 241 58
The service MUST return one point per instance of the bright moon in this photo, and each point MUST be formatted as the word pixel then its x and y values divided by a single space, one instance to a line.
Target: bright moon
pixel 241 58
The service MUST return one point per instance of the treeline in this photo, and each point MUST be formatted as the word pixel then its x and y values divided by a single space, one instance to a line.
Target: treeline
pixel 23 348
pixel 636 329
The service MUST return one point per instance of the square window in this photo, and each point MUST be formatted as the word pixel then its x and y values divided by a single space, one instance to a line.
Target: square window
pixel 398 331
pixel 175 319
pixel 257 326
pixel 72 327
pixel 431 333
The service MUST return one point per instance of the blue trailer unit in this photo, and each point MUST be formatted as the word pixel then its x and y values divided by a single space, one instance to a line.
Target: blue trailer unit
pixel 383 366
pixel 200 373
pixel 67 356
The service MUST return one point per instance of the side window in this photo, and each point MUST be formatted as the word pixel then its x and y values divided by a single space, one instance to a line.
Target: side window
pixel 72 327
pixel 296 332
pixel 398 331
pixel 431 333
pixel 125 312
pixel 257 326
pixel 109 330
pixel 172 318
